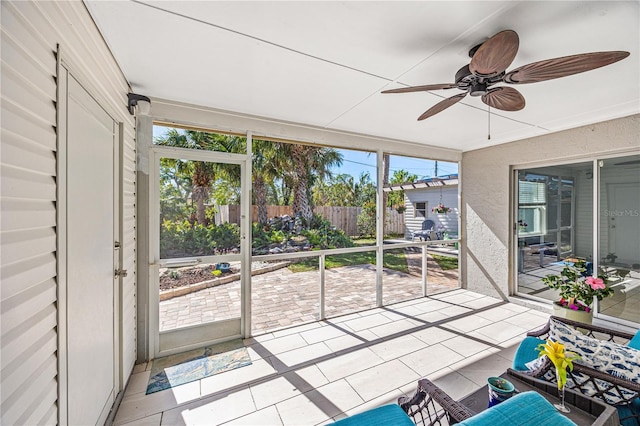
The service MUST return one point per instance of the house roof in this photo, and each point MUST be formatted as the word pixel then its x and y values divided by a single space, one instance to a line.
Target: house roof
pixel 324 64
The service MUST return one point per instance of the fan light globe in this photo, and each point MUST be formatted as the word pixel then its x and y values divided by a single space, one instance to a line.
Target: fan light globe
pixel 478 89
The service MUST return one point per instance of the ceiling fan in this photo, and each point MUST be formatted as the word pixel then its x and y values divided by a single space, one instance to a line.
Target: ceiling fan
pixel 487 68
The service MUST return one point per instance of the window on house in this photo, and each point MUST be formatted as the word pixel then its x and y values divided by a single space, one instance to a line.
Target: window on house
pixel 420 209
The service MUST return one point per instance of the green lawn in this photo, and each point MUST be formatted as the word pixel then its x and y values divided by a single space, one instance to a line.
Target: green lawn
pixel 393 259
pixel 446 262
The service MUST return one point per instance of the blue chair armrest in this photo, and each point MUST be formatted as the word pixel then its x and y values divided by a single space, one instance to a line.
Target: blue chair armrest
pixel 524 409
pixel 386 415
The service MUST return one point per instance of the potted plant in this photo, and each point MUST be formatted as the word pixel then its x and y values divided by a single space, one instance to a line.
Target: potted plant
pixel 440 208
pixel 577 291
pixel 522 225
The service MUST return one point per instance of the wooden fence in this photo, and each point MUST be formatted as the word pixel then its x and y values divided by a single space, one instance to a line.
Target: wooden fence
pixel 345 218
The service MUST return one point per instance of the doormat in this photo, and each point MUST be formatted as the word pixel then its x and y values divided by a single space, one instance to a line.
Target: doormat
pixel 185 367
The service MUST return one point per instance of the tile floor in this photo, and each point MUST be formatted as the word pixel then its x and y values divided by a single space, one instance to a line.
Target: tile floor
pixel 319 372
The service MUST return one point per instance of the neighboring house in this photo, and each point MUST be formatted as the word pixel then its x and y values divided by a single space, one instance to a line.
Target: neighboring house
pixel 422 196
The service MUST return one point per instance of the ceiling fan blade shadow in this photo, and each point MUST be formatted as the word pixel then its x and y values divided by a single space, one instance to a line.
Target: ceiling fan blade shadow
pixel 504 98
pixel 562 67
pixel 424 88
pixel 441 106
pixel 495 54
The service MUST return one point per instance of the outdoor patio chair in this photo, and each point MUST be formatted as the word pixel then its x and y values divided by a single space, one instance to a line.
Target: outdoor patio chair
pixel 428 226
pixel 613 377
pixel 431 406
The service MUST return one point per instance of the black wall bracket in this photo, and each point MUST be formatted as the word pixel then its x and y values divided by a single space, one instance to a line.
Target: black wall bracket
pixel 133 100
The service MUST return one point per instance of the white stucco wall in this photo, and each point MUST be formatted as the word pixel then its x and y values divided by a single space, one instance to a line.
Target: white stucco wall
pixel 486 192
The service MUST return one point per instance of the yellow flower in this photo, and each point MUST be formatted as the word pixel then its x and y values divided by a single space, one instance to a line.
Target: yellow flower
pixel 560 359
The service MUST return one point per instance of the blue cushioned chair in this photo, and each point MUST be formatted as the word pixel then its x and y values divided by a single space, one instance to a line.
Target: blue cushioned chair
pixel 527 352
pixel 523 409
pixel 387 415
pixel 629 410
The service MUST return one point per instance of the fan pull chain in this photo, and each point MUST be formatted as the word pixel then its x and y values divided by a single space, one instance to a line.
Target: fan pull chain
pixel 489 119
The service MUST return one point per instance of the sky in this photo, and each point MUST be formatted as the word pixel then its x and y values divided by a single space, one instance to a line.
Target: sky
pixel 356 162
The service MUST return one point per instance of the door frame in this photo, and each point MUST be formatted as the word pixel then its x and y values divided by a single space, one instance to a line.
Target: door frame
pixel 64 71
pixel 183 339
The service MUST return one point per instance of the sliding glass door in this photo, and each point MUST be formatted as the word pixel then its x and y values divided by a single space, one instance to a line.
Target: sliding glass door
pixel 553 223
pixel 619 235
pixel 562 210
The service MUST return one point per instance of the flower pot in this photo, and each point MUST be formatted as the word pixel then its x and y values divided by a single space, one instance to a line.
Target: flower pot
pixel 224 267
pixel 499 390
pixel 580 316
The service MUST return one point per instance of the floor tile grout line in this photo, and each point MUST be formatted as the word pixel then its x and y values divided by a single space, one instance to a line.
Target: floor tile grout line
pixel 280 371
pixel 283 369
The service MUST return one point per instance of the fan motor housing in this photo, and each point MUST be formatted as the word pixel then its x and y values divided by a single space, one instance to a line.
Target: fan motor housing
pixel 475 85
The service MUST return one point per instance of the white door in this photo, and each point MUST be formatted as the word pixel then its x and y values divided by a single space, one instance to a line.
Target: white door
pixel 91 283
pixel 624 222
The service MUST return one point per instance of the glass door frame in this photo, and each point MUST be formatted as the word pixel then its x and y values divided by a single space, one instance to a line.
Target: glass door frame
pixel 182 339
pixel 571 226
pixel 514 252
pixel 596 164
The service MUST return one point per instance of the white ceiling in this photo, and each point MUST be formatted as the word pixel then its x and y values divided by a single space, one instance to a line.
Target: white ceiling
pixel 325 63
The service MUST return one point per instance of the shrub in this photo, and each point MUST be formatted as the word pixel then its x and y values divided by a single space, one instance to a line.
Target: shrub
pixel 367 220
pixel 277 236
pixel 324 235
pixel 182 239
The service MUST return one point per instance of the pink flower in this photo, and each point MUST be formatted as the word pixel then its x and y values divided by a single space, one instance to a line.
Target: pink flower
pixel 596 283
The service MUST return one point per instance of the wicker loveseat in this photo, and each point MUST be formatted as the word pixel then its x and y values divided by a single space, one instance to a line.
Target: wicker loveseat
pixel 431 406
pixel 589 381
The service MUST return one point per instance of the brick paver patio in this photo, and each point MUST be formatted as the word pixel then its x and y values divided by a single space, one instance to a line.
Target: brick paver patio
pixel 283 298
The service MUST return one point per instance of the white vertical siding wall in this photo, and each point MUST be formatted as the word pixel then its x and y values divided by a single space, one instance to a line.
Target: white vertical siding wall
pixel 432 197
pixel 31 32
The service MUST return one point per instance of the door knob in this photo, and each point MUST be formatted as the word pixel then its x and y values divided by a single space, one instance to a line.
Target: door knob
pixel 121 273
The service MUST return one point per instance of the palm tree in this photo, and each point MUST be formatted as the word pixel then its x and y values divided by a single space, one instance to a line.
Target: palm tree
pixel 310 163
pixel 344 190
pixel 268 161
pixel 203 173
pixel 396 198
pixel 385 181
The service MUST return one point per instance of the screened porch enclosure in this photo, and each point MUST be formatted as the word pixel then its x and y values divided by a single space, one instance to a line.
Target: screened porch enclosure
pixel 298 270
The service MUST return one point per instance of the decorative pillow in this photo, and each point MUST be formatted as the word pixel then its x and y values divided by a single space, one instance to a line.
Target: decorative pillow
pixel 527 352
pixel 537 363
pixel 607 357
